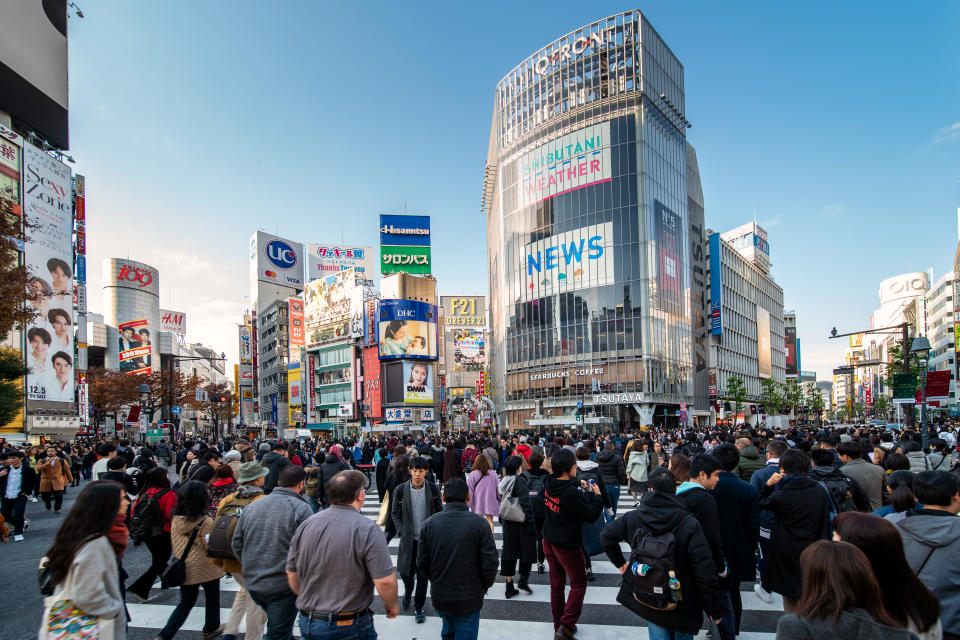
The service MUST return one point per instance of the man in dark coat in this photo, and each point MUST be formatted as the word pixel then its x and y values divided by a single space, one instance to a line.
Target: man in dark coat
pixel 801 516
pixel 614 472
pixel 411 504
pixel 739 524
pixel 459 557
pixel 660 512
pixel 274 461
pixel 13 497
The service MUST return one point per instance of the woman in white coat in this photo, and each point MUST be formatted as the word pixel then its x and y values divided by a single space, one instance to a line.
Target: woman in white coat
pixel 83 567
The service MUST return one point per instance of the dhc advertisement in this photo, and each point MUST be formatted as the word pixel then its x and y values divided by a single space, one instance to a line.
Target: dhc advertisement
pixel 569 261
pixel 407 329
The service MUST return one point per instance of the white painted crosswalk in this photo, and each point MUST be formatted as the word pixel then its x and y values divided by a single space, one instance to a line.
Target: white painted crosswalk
pixel 526 615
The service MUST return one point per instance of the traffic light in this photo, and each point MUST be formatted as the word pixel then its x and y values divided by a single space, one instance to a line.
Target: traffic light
pixel 223 398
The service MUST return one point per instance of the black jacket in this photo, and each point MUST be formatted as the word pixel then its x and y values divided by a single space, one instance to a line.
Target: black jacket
pixel 611 467
pixel 123 478
pixel 801 516
pixel 457 553
pixel 273 462
pixel 201 472
pixel 833 478
pixel 383 466
pixel 739 524
pixel 567 507
pixel 401 512
pixel 332 465
pixel 659 513
pixel 701 504
pixel 29 480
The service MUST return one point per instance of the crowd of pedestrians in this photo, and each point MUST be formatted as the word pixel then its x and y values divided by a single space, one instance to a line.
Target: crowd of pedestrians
pixel 854 528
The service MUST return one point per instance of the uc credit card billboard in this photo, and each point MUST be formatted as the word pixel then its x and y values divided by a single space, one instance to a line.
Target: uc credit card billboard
pixel 407 329
pixel 276 260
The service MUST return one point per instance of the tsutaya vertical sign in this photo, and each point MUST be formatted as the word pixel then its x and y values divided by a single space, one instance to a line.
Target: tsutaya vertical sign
pixel 570 162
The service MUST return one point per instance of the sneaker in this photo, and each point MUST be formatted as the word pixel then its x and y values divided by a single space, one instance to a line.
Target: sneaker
pixel 762 593
pixel 208 635
pixel 26 524
pixel 419 617
pixel 18 538
pixel 540 568
pixel 590 577
pixel 32 498
pixel 139 598
pixel 405 602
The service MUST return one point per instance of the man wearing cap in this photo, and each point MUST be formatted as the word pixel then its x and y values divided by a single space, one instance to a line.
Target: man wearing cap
pixel 250 476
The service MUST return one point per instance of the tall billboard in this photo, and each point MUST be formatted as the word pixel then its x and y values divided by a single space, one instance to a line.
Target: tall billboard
pixel 294 393
pixel 372 391
pixel 10 152
pixel 668 228
pixel 33 66
pixel 246 350
pixel 465 350
pixel 716 286
pixel 572 161
pixel 131 296
pixel 407 329
pixel 48 206
pixel 764 366
pixel 295 317
pixel 417 382
pixel 790 349
pixel 276 260
pixel 568 261
pixel 331 306
pixel 326 259
pixel 405 244
pixel 173 322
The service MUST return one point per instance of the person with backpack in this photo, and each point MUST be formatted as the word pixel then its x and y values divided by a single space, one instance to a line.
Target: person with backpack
pixel 250 476
pixel 670 577
pixel 845 492
pixel 519 537
pixel 870 477
pixel 614 473
pixel 150 520
pixel 467 457
pixel 589 471
pixel 331 466
pixel 801 516
pixel 569 503
pixel 223 484
pixel 536 479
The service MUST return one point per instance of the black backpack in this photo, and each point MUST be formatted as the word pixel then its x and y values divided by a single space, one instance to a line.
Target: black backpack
pixel 536 485
pixel 652 571
pixel 841 493
pixel 220 542
pixel 147 519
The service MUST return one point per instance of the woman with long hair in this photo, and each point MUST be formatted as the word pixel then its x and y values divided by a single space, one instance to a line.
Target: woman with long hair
pixel 840 598
pixel 400 473
pixel 190 519
pixel 155 485
pixel 83 567
pixel 222 484
pixel 482 484
pixel 900 488
pixel 190 459
pixel 519 538
pixel 680 467
pixel 908 601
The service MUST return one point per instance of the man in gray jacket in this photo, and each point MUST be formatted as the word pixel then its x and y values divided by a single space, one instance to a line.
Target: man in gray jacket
pixel 931 542
pixel 261 541
pixel 869 476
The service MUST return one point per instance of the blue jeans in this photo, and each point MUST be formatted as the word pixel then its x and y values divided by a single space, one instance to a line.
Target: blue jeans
pixel 361 629
pixel 281 609
pixel 662 633
pixel 313 503
pixel 613 490
pixel 459 627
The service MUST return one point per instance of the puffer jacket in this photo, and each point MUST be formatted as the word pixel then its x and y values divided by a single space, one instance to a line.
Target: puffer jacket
pixel 612 469
pixel 750 461
pixel 918 461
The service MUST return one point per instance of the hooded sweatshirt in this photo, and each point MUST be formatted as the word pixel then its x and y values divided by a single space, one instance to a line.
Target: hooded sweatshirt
pixel 567 507
pixel 702 505
pixel 931 542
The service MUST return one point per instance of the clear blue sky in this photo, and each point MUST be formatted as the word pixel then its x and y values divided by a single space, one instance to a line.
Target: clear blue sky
pixel 198 122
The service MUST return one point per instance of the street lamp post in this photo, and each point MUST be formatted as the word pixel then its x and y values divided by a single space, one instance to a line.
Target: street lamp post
pixel 144 391
pixel 921 347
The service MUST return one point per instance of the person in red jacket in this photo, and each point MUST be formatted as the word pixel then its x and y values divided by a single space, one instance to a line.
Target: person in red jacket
pixel 154 482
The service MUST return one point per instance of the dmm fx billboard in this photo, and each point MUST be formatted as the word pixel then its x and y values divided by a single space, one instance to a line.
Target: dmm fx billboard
pixel 276 260
pixel 570 162
pixel 48 207
pixel 405 244
pixel 569 261
pixel 407 329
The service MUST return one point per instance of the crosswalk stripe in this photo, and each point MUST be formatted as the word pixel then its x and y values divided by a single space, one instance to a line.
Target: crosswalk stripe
pixel 404 626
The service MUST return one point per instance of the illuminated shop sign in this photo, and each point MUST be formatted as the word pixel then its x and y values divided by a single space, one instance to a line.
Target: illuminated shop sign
pixel 569 261
pixel 570 162
pixel 566 373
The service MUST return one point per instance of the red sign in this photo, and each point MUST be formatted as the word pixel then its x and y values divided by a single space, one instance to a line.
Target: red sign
pixel 81 240
pixel 135 274
pixel 372 389
pixel 938 386
pixel 80 206
pixel 296 322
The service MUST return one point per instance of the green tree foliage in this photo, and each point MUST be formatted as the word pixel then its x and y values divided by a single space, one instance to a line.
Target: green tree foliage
pixel 771 394
pixel 736 393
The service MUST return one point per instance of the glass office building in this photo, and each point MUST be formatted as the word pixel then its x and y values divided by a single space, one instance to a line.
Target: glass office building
pixel 589 235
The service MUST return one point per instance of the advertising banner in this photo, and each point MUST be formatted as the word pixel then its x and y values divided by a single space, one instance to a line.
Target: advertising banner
pixel 407 329
pixel 469 311
pixel 311 389
pixel 295 317
pixel 372 394
pixel 293 392
pixel 668 229
pixel 468 348
pixel 246 350
pixel 418 382
pixel 790 349
pixel 83 408
pixel 938 385
pixel 276 260
pixel 10 143
pixel 331 305
pixel 569 261
pixel 716 287
pixel 410 231
pixel 571 162
pixel 370 322
pixel 48 205
pixel 764 367
pixel 173 322
pixel 81 239
pixel 135 347
pixel 325 259
pixel 395 259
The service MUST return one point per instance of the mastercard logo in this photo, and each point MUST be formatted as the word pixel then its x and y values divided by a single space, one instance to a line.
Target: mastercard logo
pixel 270 274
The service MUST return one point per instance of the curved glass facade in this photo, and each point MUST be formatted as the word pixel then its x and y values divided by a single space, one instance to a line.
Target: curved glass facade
pixel 588 230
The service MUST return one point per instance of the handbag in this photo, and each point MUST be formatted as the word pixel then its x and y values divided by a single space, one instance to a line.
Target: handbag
pixel 590 536
pixel 384 516
pixel 45 577
pixel 63 620
pixel 176 572
pixel 510 509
